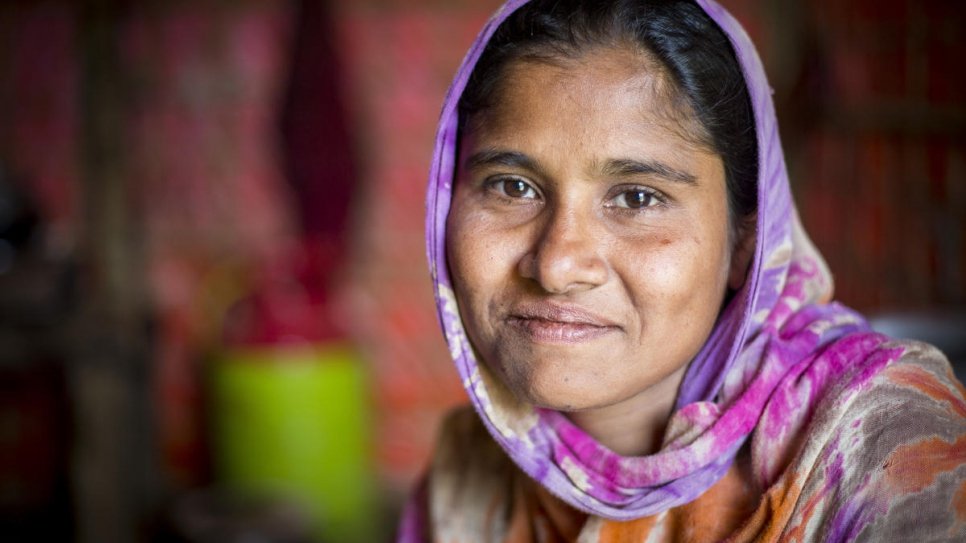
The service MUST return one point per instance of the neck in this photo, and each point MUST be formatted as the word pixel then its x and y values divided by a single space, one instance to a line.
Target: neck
pixel 635 426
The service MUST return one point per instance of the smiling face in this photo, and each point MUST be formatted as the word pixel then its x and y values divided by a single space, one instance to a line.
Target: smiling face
pixel 588 236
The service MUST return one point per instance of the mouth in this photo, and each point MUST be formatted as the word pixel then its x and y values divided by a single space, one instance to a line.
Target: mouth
pixel 558 323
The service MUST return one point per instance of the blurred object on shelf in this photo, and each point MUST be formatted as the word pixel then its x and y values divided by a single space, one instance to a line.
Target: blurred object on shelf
pixel 293 422
pixel 36 283
pixel 18 219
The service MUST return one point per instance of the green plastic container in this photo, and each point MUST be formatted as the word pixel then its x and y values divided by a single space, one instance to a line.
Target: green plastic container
pixel 294 422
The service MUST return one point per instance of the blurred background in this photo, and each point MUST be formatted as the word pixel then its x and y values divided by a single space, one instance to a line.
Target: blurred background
pixel 216 322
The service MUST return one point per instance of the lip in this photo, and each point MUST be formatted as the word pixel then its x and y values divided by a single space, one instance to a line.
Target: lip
pixel 559 323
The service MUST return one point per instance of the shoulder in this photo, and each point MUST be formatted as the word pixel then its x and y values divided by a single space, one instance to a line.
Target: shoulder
pixel 914 398
pixel 914 425
pixel 892 463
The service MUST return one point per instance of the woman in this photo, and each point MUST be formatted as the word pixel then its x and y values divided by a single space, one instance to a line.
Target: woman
pixel 643 327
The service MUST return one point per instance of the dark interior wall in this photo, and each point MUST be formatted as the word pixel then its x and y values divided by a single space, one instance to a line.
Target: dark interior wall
pixel 872 109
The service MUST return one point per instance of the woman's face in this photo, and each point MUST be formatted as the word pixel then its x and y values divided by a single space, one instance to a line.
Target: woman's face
pixel 587 238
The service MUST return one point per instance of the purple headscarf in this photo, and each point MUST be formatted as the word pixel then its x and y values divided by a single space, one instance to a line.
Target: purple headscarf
pixel 766 338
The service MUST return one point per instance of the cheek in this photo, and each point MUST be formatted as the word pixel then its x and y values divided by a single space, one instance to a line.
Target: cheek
pixel 682 271
pixel 472 251
pixel 481 257
pixel 484 243
pixel 463 257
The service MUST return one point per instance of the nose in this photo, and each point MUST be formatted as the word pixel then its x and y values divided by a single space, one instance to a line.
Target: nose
pixel 566 256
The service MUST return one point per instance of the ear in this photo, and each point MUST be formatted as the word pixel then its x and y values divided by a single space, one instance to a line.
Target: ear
pixel 743 251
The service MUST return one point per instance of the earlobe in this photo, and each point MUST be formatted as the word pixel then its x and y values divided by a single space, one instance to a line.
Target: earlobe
pixel 743 251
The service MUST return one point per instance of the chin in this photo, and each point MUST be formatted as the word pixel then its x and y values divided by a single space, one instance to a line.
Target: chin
pixel 562 390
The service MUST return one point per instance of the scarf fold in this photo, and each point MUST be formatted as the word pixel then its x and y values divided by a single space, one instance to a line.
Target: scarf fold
pixel 777 334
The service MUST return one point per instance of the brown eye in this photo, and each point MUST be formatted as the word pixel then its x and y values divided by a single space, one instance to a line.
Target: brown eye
pixel 635 199
pixel 514 187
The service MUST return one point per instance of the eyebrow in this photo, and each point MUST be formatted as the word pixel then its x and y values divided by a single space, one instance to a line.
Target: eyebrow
pixel 623 167
pixel 627 167
pixel 511 159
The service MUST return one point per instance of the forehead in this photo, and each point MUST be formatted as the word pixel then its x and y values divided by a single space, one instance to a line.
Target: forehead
pixel 621 86
pixel 605 93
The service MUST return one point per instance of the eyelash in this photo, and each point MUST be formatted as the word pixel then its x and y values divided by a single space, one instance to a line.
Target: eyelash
pixel 654 198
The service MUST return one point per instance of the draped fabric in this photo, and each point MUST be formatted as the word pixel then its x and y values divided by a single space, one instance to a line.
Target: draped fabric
pixel 814 405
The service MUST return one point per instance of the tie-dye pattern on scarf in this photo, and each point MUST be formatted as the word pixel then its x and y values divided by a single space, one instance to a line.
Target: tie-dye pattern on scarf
pixel 782 360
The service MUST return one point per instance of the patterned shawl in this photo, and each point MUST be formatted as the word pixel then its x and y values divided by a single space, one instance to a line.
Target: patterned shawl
pixel 778 351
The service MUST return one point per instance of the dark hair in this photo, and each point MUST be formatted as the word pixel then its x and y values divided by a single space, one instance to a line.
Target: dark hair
pixel 689 45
